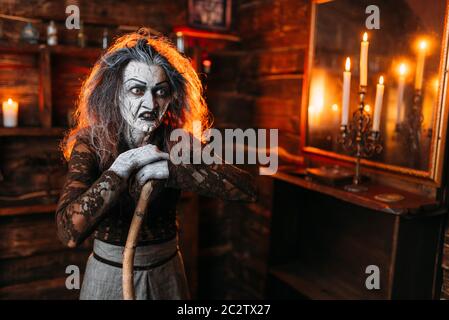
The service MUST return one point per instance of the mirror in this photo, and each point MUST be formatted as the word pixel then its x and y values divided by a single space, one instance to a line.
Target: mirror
pixel 408 51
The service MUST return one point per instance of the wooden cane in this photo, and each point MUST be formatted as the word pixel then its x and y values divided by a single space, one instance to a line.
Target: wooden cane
pixel 131 242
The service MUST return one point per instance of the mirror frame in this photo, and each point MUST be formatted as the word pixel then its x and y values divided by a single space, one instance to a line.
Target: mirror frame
pixel 433 176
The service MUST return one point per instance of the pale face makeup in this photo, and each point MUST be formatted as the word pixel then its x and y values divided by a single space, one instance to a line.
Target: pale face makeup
pixel 144 99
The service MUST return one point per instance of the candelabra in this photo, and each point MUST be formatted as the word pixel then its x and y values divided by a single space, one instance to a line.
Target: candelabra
pixel 411 128
pixel 360 139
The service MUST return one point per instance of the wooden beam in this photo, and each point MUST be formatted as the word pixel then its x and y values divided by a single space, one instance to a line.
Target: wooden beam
pixel 45 105
pixel 23 210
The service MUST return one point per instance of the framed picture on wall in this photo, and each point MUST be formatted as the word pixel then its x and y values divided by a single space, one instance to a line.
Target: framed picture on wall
pixel 210 14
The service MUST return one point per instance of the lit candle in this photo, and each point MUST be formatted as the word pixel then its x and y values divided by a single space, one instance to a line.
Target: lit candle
pixel 420 65
pixel 401 86
pixel 10 112
pixel 346 92
pixel 435 101
pixel 180 41
pixel 378 104
pixel 364 60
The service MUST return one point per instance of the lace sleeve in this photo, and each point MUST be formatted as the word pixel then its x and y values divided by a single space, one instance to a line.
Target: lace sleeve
pixel 85 197
pixel 223 181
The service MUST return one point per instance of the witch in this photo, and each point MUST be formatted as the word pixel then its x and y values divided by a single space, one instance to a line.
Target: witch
pixel 137 93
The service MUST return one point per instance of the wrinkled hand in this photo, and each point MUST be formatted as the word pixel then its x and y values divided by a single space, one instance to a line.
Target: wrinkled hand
pixel 156 170
pixel 136 159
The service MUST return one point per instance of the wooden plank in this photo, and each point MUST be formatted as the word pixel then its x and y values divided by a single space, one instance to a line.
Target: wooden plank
pixel 53 289
pixel 41 266
pixel 31 164
pixel 188 238
pixel 73 51
pixel 445 262
pixel 45 103
pixel 161 15
pixel 68 73
pixel 411 204
pixel 28 235
pixel 21 48
pixel 274 23
pixel 445 285
pixel 32 132
pixel 25 210
pixel 416 258
pixel 318 285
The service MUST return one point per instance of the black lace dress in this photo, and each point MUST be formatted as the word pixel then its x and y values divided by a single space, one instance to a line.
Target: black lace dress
pixel 99 203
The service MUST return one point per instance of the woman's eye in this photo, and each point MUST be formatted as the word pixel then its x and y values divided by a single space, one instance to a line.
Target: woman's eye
pixel 161 92
pixel 137 91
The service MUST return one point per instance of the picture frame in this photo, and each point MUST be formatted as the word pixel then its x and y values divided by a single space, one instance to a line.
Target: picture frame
pixel 213 15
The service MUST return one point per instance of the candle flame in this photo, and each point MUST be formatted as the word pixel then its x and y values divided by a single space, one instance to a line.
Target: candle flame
pixel 367 108
pixel 381 80
pixel 436 83
pixel 423 45
pixel 9 101
pixel 365 37
pixel 179 34
pixel 402 69
pixel 348 64
pixel 334 107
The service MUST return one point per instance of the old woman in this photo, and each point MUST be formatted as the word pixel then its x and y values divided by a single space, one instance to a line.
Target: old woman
pixel 137 93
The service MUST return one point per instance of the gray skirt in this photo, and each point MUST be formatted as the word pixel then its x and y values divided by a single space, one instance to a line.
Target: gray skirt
pixel 158 274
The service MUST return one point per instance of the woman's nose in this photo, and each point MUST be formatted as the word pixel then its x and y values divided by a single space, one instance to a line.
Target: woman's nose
pixel 148 102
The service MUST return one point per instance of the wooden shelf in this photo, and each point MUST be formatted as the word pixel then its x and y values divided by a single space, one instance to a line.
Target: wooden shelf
pixel 66 50
pixel 31 209
pixel 314 284
pixel 411 204
pixel 32 132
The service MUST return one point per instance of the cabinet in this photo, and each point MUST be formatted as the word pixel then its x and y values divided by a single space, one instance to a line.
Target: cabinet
pixel 323 239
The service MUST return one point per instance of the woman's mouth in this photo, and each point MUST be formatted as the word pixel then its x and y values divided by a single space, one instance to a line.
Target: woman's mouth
pixel 148 116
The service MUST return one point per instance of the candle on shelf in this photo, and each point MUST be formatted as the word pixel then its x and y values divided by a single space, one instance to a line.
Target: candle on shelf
pixel 378 104
pixel 401 86
pixel 346 92
pixel 364 60
pixel 10 113
pixel 420 64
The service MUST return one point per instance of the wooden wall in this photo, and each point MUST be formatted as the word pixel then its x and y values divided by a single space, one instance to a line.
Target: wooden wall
pixel 32 259
pixel 445 267
pixel 257 85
